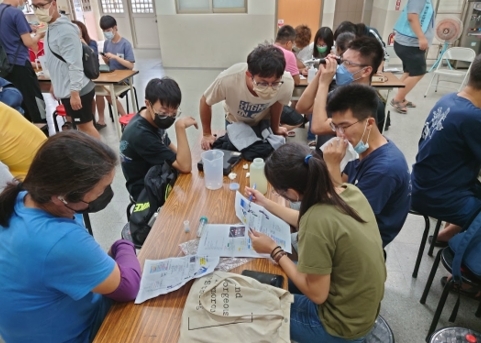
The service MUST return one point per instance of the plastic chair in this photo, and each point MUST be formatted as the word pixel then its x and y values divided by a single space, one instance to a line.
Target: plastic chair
pixel 446 256
pixel 424 239
pixel 126 101
pixel 59 112
pixel 453 54
pixel 125 120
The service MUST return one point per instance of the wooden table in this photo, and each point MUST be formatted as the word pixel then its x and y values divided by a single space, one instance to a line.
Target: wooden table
pixel 108 80
pixel 158 319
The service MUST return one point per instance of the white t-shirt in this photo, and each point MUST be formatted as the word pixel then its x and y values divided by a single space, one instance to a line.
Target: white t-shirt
pixel 240 103
pixel 306 52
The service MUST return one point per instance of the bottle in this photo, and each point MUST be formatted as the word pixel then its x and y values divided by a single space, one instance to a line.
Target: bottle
pixel 258 177
pixel 311 73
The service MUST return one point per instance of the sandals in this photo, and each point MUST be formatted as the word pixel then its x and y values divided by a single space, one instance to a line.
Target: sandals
pixel 408 104
pixel 291 134
pixel 399 107
pixel 67 126
pixel 471 292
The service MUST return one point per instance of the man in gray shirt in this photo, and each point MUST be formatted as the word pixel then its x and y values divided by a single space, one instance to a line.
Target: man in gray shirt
pixel 69 83
pixel 414 33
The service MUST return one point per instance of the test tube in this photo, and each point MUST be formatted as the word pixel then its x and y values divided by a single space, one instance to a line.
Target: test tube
pixel 186 226
pixel 202 222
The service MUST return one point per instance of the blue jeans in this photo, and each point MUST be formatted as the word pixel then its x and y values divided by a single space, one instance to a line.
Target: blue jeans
pixel 306 327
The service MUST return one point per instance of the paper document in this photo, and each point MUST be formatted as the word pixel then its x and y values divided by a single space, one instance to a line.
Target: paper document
pixel 232 240
pixel 165 276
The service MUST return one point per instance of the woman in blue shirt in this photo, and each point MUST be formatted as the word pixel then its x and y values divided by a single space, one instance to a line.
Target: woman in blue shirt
pixel 57 282
pixel 85 38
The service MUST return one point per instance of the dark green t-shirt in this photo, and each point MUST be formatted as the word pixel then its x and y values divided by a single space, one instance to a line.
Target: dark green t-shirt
pixel 331 242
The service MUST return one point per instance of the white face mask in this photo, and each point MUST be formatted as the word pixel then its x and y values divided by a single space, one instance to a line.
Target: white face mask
pixel 43 14
pixel 266 94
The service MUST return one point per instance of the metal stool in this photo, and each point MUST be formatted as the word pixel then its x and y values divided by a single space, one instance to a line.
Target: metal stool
pixel 125 234
pixel 126 101
pixel 424 239
pixel 380 333
pixel 446 256
pixel 455 334
pixel 59 112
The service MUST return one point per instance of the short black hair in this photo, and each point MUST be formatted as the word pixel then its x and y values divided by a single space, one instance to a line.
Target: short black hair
pixel 343 40
pixel 324 33
pixel 360 99
pixel 266 60
pixel 475 73
pixel 107 22
pixel 346 26
pixel 165 90
pixel 286 34
pixel 371 51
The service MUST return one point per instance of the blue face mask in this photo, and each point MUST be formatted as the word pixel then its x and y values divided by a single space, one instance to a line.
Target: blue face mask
pixel 344 76
pixel 109 35
pixel 361 146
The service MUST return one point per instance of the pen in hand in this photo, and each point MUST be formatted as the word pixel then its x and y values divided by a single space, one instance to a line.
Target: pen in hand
pixel 252 194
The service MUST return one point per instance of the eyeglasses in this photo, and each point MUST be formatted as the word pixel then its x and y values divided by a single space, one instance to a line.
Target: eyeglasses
pixel 41 7
pixel 265 85
pixel 340 129
pixel 352 64
pixel 165 115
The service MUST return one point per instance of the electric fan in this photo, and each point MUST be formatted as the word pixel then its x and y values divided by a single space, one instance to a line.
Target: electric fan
pixel 447 30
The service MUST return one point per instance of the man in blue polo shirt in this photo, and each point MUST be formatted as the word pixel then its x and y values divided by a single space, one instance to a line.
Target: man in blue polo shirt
pixel 381 172
pixel 445 175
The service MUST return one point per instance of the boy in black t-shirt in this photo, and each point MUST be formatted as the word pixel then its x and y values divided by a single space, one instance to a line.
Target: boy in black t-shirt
pixel 145 142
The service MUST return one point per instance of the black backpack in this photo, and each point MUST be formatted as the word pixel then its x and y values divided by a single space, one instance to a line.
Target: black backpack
pixel 90 60
pixel 5 65
pixel 158 183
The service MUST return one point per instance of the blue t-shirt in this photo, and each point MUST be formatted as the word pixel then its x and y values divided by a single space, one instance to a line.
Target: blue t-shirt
pixel 93 45
pixel 449 156
pixel 416 7
pixel 122 48
pixel 49 266
pixel 384 179
pixel 12 26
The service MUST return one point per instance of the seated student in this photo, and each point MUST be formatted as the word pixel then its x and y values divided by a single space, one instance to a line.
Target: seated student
pixel 252 91
pixel 285 41
pixel 85 37
pixel 445 175
pixel 360 62
pixel 119 55
pixel 381 173
pixel 341 267
pixel 57 282
pixel 342 42
pixel 324 40
pixel 145 142
pixel 303 46
pixel 20 141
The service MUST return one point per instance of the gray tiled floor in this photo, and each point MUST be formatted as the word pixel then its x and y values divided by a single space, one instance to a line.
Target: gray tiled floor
pixel 401 308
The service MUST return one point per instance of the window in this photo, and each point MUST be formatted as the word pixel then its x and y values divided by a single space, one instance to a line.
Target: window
pixel 142 6
pixel 112 6
pixel 212 6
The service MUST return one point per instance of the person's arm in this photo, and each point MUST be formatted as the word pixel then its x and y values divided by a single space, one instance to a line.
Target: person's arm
pixel 129 58
pixel 70 48
pixel 415 24
pixel 276 111
pixel 206 118
pixel 289 215
pixel 300 64
pixel 297 79
pixel 333 154
pixel 313 286
pixel 122 61
pixel 320 123
pixel 291 67
pixel 306 101
pixel 183 160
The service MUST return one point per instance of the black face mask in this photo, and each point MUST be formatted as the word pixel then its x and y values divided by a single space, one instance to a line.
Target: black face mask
pixel 163 122
pixel 98 204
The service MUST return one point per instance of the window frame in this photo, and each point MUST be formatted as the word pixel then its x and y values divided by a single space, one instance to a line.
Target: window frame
pixel 211 9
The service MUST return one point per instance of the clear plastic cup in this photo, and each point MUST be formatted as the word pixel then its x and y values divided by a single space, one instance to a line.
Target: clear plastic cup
pixel 213 161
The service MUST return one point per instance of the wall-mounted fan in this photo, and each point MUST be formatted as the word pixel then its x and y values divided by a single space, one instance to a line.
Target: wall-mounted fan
pixel 447 30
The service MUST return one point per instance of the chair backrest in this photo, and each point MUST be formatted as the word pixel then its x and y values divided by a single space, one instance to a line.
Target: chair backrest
pixel 460 54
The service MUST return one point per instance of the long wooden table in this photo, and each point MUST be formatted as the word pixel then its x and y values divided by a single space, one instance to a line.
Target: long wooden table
pixel 158 319
pixel 110 81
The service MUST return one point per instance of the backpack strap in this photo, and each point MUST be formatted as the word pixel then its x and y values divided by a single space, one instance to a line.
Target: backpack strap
pixel 49 48
pixel 472 230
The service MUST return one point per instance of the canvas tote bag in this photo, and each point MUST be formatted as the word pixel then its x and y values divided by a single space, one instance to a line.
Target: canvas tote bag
pixel 227 307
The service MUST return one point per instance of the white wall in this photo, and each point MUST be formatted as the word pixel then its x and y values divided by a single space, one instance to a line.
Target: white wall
pixel 213 40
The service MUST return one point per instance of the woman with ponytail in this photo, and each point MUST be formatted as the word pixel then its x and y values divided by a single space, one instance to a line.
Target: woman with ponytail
pixel 340 271
pixel 56 283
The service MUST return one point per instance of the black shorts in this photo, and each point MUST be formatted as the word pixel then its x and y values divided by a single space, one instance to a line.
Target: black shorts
pixel 84 115
pixel 413 58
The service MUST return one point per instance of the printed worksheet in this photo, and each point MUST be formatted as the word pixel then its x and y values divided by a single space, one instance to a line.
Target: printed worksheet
pixel 165 276
pixel 232 240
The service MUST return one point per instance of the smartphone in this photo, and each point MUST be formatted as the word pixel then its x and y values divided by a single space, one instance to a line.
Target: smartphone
pixel 103 54
pixel 269 279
